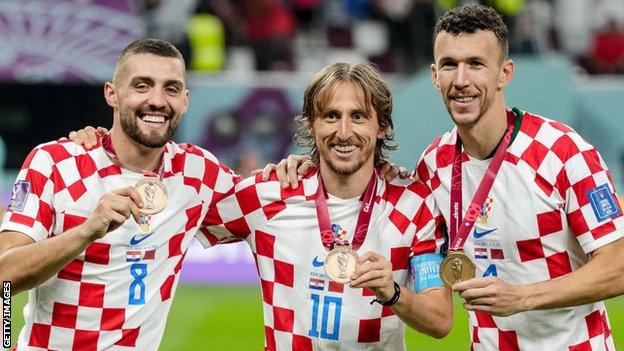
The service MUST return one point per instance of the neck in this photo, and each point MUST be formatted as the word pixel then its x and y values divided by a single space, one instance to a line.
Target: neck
pixel 134 155
pixel 346 186
pixel 480 139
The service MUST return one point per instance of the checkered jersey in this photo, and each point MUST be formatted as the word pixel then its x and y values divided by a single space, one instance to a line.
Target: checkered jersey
pixel 117 293
pixel 303 309
pixel 539 222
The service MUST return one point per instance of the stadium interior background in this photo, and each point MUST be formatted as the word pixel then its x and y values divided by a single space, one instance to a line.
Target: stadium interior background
pixel 249 61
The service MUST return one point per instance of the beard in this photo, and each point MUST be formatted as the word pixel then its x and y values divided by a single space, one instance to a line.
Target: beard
pixel 484 106
pixel 152 139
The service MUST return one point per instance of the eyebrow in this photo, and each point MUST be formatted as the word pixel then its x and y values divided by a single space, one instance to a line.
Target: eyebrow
pixel 469 59
pixel 174 82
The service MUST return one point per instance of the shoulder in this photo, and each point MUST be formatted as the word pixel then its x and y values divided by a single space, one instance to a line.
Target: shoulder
pixel 271 190
pixel 552 135
pixel 188 157
pixel 439 154
pixel 54 152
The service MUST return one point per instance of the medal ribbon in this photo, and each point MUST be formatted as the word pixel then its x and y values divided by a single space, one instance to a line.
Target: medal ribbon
pixel 361 228
pixel 459 233
pixel 107 145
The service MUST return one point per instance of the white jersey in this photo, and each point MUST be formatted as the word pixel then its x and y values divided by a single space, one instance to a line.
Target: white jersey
pixel 117 293
pixel 552 203
pixel 303 309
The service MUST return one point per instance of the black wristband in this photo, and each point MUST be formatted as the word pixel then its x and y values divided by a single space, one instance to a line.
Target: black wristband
pixel 393 299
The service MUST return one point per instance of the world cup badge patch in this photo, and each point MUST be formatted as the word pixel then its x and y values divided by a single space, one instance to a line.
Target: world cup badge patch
pixel 485 210
pixel 21 189
pixel 603 203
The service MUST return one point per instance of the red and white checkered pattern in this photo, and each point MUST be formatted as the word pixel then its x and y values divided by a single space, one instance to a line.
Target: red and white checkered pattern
pixel 86 305
pixel 543 222
pixel 282 230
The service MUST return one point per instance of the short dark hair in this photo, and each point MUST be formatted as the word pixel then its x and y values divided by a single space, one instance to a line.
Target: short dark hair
pixel 472 17
pixel 146 46
pixel 319 91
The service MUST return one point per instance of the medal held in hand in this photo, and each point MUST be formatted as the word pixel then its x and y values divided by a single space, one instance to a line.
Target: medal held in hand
pixel 153 193
pixel 340 263
pixel 456 267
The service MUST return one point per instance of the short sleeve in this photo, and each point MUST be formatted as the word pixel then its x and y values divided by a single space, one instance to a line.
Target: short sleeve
pixel 30 209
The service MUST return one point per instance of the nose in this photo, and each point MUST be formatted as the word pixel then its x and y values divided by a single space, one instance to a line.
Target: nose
pixel 461 77
pixel 157 99
pixel 345 128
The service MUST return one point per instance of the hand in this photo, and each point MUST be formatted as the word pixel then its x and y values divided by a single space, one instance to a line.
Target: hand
pixel 374 271
pixel 288 170
pixel 112 211
pixel 88 136
pixel 389 171
pixel 491 295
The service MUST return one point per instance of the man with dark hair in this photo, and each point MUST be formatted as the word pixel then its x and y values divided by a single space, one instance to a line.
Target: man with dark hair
pixel 527 202
pixel 95 279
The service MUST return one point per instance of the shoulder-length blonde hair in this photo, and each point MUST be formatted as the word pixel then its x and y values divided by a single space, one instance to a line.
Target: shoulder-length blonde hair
pixel 319 91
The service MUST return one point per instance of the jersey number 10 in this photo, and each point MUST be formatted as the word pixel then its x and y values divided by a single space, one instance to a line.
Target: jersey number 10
pixel 330 303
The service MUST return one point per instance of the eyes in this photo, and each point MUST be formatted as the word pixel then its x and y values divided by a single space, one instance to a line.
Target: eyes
pixel 170 89
pixel 334 116
pixel 450 65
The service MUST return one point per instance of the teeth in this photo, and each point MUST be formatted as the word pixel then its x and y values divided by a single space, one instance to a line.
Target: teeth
pixel 464 98
pixel 156 119
pixel 344 148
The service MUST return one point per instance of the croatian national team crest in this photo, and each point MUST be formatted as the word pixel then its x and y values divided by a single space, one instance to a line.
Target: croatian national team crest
pixel 485 210
pixel 21 189
pixel 603 203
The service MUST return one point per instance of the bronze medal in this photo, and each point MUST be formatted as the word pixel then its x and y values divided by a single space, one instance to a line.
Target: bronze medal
pixel 340 263
pixel 153 193
pixel 456 267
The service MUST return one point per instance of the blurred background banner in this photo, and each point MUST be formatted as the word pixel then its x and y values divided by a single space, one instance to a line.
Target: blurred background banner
pixel 248 63
pixel 64 41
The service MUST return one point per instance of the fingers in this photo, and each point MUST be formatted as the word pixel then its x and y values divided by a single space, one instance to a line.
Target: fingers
pixel 266 171
pixel 281 172
pixel 101 131
pixel 255 172
pixel 389 171
pixel 85 137
pixel 305 167
pixel 136 202
pixel 292 165
pixel 403 173
pixel 472 284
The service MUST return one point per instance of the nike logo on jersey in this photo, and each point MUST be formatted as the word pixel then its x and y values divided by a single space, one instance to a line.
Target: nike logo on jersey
pixel 478 235
pixel 137 239
pixel 317 263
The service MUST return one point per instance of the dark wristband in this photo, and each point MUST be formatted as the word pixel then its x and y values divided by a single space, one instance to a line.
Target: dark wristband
pixel 393 299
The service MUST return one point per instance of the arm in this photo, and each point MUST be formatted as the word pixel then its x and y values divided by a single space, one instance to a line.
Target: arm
pixel 591 224
pixel 27 263
pixel 429 311
pixel 597 280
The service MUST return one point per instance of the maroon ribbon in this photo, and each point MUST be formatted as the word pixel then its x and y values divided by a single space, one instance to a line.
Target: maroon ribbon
pixel 459 233
pixel 361 228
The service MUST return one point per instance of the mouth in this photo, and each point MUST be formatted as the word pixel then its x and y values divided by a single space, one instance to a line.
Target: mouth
pixel 344 151
pixel 154 121
pixel 463 99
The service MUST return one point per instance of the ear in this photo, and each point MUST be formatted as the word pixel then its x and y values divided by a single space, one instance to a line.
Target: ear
pixel 110 94
pixel 506 74
pixel 185 101
pixel 434 76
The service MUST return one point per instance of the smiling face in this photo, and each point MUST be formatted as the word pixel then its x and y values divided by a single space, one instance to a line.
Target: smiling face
pixel 149 97
pixel 346 132
pixel 470 73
